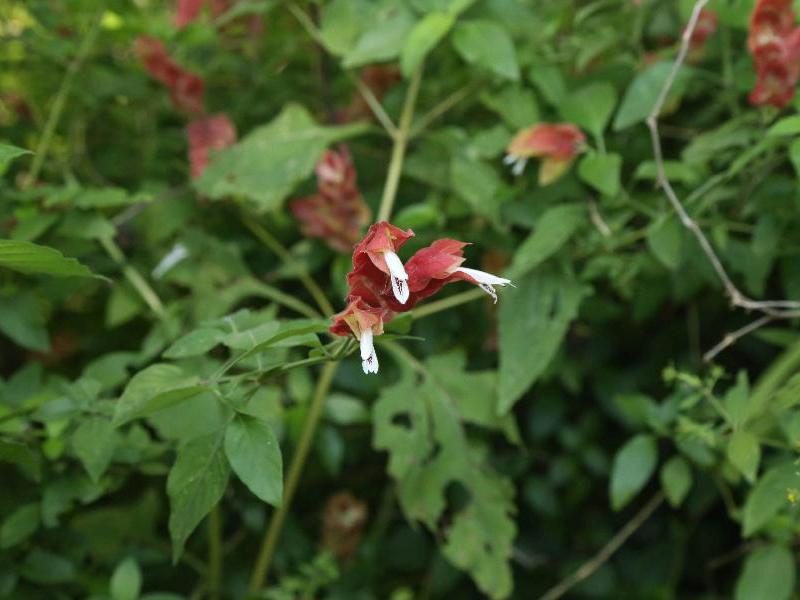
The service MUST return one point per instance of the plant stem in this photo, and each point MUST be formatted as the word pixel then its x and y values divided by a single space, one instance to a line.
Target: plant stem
pixel 265 555
pixel 401 138
pixel 445 303
pixel 776 374
pixel 60 101
pixel 271 242
pixel 607 551
pixel 134 277
pixel 441 108
pixel 214 553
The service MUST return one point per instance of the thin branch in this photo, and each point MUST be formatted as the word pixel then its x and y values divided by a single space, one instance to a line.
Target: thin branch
pixel 607 551
pixel 775 309
pixel 441 108
pixel 374 105
pixel 597 219
pixel 734 336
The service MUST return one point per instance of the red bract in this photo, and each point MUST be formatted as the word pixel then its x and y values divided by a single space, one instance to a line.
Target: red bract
pixel 337 212
pixel 705 28
pixel 185 88
pixel 187 11
pixel 362 321
pixel 774 42
pixel 381 284
pixel 557 144
pixel 211 133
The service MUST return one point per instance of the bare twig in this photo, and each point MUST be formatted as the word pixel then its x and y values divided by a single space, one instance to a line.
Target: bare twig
pixel 607 551
pixel 774 309
pixel 374 105
pixel 597 219
pixel 734 336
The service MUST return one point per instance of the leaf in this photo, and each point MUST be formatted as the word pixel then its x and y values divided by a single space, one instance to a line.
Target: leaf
pixel 255 457
pixel 383 36
pixel 154 388
pixel 553 229
pixel 23 457
pixel 676 480
pixel 340 24
pixel 515 104
pixel 9 153
pixel 768 497
pixel 30 258
pixel 423 38
pixel 488 45
pixel 533 322
pixel 632 468
pixel 768 574
pixel 269 162
pixel 195 484
pixel 602 172
pixel 126 581
pixel 47 568
pixel 94 442
pixel 744 453
pixel 737 401
pixel 22 321
pixel 665 240
pixel 590 107
pixel 785 126
pixel 643 91
pixel 419 424
pixel 19 525
pixel 478 184
pixel 195 343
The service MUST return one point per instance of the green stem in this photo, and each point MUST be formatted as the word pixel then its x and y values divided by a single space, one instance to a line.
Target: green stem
pixel 271 242
pixel 265 555
pixel 134 277
pixel 445 303
pixel 214 553
pixel 441 108
pixel 286 300
pixel 401 138
pixel 776 374
pixel 60 101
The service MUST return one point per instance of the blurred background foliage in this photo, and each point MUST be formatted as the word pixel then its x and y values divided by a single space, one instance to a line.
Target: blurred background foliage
pixel 154 388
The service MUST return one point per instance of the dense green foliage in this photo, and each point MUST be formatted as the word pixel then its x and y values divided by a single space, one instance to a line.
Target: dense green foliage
pixel 170 395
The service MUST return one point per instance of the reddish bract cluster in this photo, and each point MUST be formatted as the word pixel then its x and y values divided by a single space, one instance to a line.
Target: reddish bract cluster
pixel 205 133
pixel 557 144
pixel 706 27
pixel 380 285
pixel 774 42
pixel 337 212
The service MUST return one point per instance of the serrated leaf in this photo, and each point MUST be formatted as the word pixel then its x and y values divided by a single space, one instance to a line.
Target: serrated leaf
pixel 768 574
pixel 195 484
pixel 633 466
pixel 488 45
pixel 553 229
pixel 768 496
pixel 255 457
pixel 29 258
pixel 94 442
pixel 154 388
pixel 602 172
pixel 126 581
pixel 423 38
pixel 269 162
pixel 744 453
pixel 534 319
pixel 676 480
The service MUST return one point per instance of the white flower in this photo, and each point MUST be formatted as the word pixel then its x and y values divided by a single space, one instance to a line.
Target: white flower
pixel 518 163
pixel 369 360
pixel 398 276
pixel 486 281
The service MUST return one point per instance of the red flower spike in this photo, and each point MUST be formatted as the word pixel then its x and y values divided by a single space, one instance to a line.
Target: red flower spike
pixel 774 42
pixel 212 133
pixel 186 88
pixel 557 144
pixel 187 12
pixel 364 322
pixel 770 21
pixel 337 212
pixel 379 248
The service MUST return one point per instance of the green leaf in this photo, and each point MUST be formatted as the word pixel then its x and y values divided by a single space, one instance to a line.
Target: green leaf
pixel 420 425
pixel 22 321
pixel 676 480
pixel 632 468
pixel 488 45
pixel 23 457
pixel 384 32
pixel 744 453
pixel 785 126
pixel 94 442
pixel 195 484
pixel 643 91
pixel 541 309
pixel 255 457
pixel 768 574
pixel 478 184
pixel 602 172
pixel 665 240
pixel 515 104
pixel 794 155
pixel 590 107
pixel 423 38
pixel 341 23
pixel 768 496
pixel 269 162
pixel 9 153
pixel 47 568
pixel 19 525
pixel 156 387
pixel 553 229
pixel 126 582
pixel 737 401
pixel 195 343
pixel 29 258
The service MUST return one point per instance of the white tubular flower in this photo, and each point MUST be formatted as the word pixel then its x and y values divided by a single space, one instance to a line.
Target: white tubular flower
pixel 486 281
pixel 398 276
pixel 369 360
